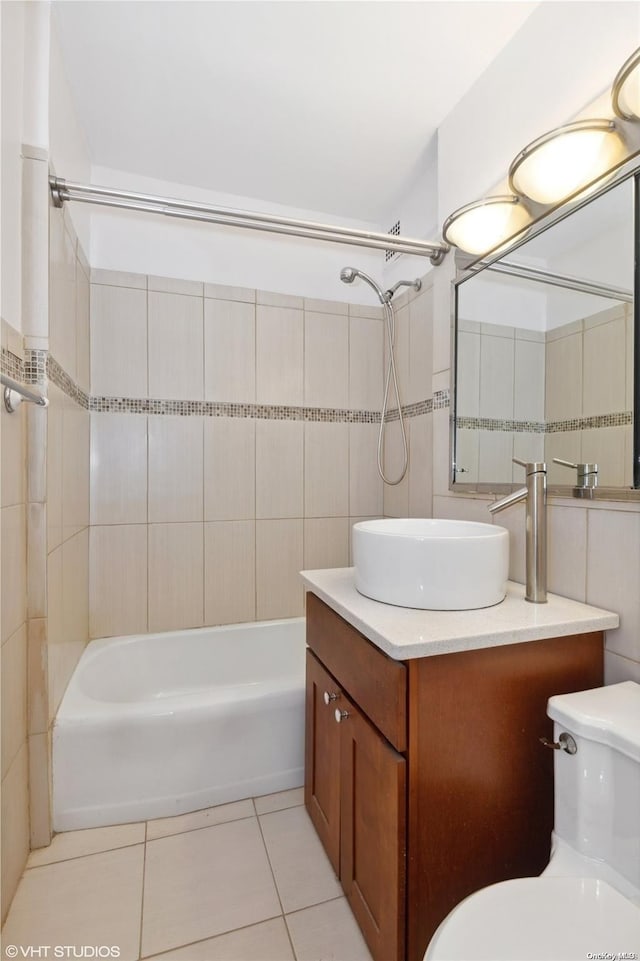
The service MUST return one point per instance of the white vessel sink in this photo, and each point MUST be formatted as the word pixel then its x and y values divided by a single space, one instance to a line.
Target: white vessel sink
pixel 437 565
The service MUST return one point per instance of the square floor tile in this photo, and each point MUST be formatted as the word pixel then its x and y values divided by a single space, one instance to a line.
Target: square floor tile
pixel 301 868
pixel 278 802
pixel 77 844
pixel 163 827
pixel 268 941
pixel 94 900
pixel 327 932
pixel 204 883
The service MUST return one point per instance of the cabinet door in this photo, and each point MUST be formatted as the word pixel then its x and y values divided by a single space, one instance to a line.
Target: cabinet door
pixel 373 825
pixel 322 757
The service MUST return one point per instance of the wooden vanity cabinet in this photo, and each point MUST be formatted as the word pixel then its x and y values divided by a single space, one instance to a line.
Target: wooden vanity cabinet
pixel 435 784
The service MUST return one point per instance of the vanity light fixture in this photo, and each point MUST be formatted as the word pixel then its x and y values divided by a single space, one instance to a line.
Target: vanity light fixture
pixel 563 161
pixel 625 93
pixel 483 225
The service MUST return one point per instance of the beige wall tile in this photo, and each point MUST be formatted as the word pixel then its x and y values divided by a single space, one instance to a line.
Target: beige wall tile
pixel 366 355
pixel 326 470
pixel 13 569
pixel 606 447
pixel 229 572
pixel 15 827
pixel 366 310
pixel 279 355
pixel 420 347
pixel 441 454
pixel 63 655
pixel 36 443
pixel 229 351
pixel 222 292
pixel 38 702
pixel 14 696
pixel 117 580
pixel 39 790
pixel 326 542
pixel 36 560
pixel 629 355
pixel 279 468
pixel 62 294
pixel 401 354
pixel 527 446
pixel 365 486
pixel 118 278
pixel 55 599
pixel 496 376
pixel 468 375
pixel 326 360
pixel 420 466
pixel 326 306
pixel 495 460
pixel 175 469
pixel 169 285
pixel 118 341
pixel 604 381
pixel 83 358
pixel 618 669
pixel 567 550
pixel 613 574
pixel 270 298
pixel 279 557
pixel 229 468
pixel 176 344
pixel 54 452
pixel 176 576
pixel 563 380
pixel 13 466
pixel 528 401
pixel 118 468
pixel 76 429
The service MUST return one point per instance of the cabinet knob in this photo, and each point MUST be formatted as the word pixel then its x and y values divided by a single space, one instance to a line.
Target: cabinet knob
pixel 330 696
pixel 341 716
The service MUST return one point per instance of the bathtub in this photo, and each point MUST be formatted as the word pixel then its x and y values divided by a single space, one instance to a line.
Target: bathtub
pixel 156 725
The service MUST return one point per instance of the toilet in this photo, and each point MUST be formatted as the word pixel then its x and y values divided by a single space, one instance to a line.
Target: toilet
pixel 586 903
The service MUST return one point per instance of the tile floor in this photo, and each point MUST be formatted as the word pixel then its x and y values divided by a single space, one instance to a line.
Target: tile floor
pixel 247 881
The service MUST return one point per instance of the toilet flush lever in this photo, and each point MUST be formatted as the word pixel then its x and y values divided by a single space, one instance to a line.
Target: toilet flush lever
pixel 564 743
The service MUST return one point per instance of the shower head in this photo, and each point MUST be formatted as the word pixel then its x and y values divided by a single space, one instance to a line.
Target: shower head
pixel 349 274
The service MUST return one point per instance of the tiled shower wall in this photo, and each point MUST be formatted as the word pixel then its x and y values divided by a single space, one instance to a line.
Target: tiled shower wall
pixel 15 755
pixel 233 443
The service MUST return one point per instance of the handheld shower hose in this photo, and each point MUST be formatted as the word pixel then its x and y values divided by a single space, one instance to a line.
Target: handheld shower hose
pixel 348 275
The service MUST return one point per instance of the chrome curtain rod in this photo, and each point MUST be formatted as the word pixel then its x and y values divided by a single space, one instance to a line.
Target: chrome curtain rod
pixel 561 280
pixel 64 190
pixel 13 386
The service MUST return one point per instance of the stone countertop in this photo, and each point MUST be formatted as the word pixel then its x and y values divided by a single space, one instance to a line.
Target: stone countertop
pixel 404 633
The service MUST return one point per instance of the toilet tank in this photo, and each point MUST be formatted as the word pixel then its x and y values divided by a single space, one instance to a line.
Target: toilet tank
pixel 597 789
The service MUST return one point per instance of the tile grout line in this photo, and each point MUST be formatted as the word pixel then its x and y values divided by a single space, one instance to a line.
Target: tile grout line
pixel 275 883
pixel 144 872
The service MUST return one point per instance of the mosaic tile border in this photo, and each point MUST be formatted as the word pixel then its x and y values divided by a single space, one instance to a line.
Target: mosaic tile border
pixel 11 364
pixel 620 419
pixel 40 366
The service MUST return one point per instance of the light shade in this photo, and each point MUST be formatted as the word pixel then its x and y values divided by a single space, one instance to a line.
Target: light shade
pixel 485 224
pixel 563 161
pixel 625 94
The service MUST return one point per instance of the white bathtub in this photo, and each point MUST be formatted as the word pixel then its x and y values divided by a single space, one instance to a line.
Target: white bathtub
pixel 156 725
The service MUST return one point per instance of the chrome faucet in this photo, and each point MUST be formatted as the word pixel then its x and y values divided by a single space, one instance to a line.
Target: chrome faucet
pixel 536 527
pixel 586 477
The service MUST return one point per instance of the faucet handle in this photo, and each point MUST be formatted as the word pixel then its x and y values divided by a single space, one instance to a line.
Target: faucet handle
pixel 531 467
pixel 587 473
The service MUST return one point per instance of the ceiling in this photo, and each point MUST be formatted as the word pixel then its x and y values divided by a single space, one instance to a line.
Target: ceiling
pixel 326 106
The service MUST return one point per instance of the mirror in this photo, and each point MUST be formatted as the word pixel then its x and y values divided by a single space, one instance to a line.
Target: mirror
pixel 544 347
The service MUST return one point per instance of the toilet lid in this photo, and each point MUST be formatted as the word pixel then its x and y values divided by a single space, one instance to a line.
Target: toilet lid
pixel 539 919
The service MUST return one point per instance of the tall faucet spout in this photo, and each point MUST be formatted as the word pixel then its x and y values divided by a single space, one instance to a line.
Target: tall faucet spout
pixel 535 494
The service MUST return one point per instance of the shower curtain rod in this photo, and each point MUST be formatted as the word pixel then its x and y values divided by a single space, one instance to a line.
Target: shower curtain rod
pixel 67 190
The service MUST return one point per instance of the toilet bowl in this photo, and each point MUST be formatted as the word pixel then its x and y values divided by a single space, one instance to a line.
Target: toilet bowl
pixel 586 903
